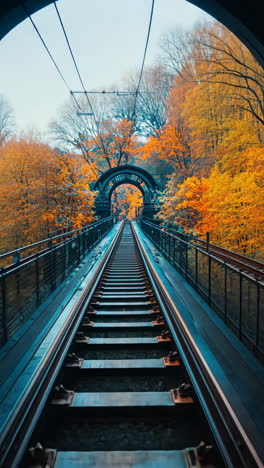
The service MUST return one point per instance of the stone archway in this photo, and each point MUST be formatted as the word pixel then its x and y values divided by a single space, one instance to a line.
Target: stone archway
pixel 120 175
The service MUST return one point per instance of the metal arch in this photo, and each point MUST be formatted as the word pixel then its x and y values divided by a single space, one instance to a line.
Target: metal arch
pixel 106 178
pixel 126 174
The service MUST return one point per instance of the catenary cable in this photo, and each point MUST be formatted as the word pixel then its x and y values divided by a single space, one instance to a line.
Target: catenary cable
pixel 79 75
pixel 143 61
pixel 50 55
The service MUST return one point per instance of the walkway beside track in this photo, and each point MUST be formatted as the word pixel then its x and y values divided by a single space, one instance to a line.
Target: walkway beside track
pixel 21 356
pixel 239 374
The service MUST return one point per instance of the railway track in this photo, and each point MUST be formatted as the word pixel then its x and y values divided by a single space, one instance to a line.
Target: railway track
pixel 129 388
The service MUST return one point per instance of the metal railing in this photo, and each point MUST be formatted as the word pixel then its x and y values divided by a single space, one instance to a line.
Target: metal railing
pixel 33 272
pixel 249 264
pixel 234 294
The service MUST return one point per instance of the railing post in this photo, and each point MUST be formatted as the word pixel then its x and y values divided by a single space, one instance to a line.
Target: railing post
pixel 88 240
pixel 225 290
pixel 16 260
pixel 4 318
pixel 258 316
pixel 209 279
pixel 53 280
pixel 186 259
pixel 66 255
pixel 196 267
pixel 240 303
pixel 180 255
pixel 79 247
pixel 166 244
pixel 16 257
pixel 37 279
pixel 83 244
pixel 92 235
pixel 207 240
pixel 174 251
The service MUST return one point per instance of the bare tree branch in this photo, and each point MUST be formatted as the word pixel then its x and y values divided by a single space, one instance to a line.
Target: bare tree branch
pixel 7 121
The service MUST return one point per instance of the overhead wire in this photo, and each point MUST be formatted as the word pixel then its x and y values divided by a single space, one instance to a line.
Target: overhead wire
pixel 143 61
pixel 78 73
pixel 76 66
pixel 49 53
pixel 68 43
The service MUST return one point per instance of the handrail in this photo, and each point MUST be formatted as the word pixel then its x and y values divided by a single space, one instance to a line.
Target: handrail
pixel 235 294
pixel 50 240
pixel 209 245
pixel 28 282
pixel 232 440
pixel 258 271
pixel 15 436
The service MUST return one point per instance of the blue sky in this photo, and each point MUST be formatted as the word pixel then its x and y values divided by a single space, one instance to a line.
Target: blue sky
pixel 108 38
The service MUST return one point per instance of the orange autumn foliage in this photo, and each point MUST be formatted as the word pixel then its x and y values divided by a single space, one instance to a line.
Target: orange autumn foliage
pixel 219 112
pixel 73 201
pixel 127 201
pixel 113 145
pixel 230 207
pixel 42 192
pixel 169 147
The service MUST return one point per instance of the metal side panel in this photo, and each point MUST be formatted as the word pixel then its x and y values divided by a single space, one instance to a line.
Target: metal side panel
pixel 123 325
pixel 123 364
pixel 136 459
pixel 123 341
pixel 128 399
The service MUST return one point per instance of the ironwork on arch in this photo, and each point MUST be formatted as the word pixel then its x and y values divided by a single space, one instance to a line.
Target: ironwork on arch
pixel 120 175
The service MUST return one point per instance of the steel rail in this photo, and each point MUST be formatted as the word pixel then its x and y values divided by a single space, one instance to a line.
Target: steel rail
pixel 15 437
pixel 233 442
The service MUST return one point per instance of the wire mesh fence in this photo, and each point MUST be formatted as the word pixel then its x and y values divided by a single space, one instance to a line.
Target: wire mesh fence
pixel 235 295
pixel 27 282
